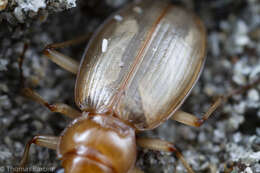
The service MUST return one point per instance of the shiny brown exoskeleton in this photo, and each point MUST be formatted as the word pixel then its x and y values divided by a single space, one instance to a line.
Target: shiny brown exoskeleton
pixel 135 73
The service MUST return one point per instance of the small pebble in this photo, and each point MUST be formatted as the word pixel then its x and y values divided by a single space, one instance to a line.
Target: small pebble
pixel 235 121
pixel 240 108
pixel 258 131
pixel 37 124
pixel 257 168
pixel 225 26
pixel 255 34
pixel 138 10
pixel 118 18
pixel 253 95
pixel 218 135
pixel 5 102
pixel 255 157
pixel 4 87
pixel 254 74
pixel 210 89
pixel 241 40
pixel 239 79
pixel 241 27
pixel 5 155
pixel 3 64
pixel 202 137
pixel 7 140
pixel 248 170
pixel 237 137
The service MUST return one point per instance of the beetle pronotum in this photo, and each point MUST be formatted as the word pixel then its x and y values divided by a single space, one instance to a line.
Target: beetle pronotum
pixel 136 72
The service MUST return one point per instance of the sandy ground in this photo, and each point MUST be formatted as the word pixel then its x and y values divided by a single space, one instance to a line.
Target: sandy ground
pixel 229 139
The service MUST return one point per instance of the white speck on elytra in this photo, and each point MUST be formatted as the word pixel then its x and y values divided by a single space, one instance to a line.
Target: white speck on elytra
pixel 118 18
pixel 104 45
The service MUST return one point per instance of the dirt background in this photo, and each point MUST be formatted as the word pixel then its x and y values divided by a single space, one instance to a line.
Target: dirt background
pixel 228 142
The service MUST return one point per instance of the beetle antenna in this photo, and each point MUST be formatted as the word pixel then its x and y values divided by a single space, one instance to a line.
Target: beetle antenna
pixel 243 89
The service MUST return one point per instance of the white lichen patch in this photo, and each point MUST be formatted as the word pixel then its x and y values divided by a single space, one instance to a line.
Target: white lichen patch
pixel 118 18
pixel 70 3
pixel 104 45
pixel 35 5
pixel 32 5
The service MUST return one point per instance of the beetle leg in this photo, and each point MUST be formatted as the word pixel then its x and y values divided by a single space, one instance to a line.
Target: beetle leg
pixel 58 107
pixel 192 120
pixel 50 142
pixel 62 60
pixel 161 145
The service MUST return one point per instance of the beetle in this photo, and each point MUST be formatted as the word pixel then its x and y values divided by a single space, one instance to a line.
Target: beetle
pixel 137 70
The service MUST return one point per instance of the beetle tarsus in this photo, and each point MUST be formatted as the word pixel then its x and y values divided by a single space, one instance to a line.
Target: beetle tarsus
pixel 161 145
pixel 200 122
pixel 45 141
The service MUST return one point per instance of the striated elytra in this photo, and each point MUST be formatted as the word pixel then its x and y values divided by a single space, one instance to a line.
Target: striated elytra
pixel 135 73
pixel 151 61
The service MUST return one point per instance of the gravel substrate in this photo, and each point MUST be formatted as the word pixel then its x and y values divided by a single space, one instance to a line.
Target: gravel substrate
pixel 228 142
